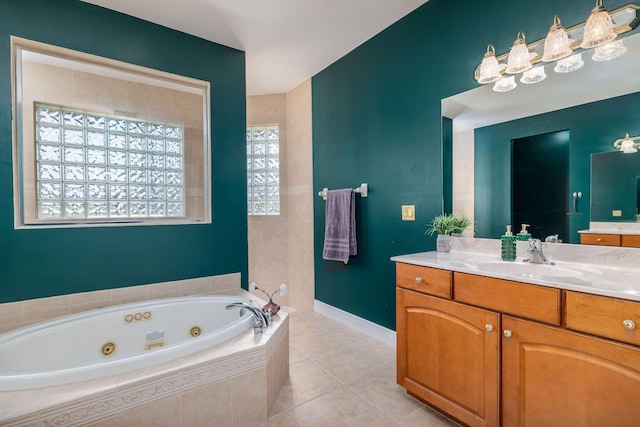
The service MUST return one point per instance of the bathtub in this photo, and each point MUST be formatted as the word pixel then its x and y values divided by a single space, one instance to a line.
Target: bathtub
pixel 114 340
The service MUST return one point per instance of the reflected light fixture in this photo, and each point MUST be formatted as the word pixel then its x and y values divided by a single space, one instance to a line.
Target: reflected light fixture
pixel 609 51
pixel 628 144
pixel 599 28
pixel 505 84
pixel 569 64
pixel 519 59
pixel 557 45
pixel 489 70
pixel 533 75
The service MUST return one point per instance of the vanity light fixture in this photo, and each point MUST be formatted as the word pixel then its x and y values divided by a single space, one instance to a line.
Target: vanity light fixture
pixel 505 84
pixel 599 28
pixel 533 75
pixel 519 60
pixel 628 144
pixel 569 64
pixel 489 70
pixel 560 46
pixel 609 51
pixel 557 45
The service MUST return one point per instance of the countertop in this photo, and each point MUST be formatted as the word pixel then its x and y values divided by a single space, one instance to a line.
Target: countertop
pixel 611 272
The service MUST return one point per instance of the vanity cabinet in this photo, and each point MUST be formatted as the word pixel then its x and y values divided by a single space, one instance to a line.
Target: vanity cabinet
pixel 449 356
pixel 555 377
pixel 495 352
pixel 603 239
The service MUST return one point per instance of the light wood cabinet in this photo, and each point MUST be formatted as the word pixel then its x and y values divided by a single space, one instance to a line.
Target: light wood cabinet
pixel 448 356
pixel 601 239
pixel 492 352
pixel 554 377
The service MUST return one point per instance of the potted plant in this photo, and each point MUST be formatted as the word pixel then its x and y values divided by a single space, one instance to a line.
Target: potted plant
pixel 271 307
pixel 445 225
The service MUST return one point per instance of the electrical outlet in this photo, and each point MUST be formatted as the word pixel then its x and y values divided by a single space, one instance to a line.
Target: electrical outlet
pixel 616 212
pixel 408 212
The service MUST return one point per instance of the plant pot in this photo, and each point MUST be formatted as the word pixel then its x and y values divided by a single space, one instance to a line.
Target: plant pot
pixel 443 243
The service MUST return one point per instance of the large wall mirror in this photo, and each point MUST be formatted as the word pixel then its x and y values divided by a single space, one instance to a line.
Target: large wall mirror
pixel 99 141
pixel 591 107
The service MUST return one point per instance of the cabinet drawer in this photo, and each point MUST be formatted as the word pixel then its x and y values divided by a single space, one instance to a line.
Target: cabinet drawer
pixel 603 316
pixel 631 241
pixel 427 280
pixel 530 301
pixel 600 239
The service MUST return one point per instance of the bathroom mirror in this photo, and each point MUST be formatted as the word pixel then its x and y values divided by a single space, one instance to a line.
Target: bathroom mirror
pixel 527 109
pixel 614 186
pixel 99 141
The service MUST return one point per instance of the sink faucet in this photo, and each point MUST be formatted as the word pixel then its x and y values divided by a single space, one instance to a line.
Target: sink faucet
pixel 535 253
pixel 261 322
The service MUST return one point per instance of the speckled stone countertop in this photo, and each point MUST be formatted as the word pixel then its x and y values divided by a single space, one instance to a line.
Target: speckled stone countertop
pixel 600 270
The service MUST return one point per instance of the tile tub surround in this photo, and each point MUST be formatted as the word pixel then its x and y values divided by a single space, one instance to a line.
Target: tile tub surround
pixel 245 372
pixel 22 313
pixel 605 270
pixel 613 228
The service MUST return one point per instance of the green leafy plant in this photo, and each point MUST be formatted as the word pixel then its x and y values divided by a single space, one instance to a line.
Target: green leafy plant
pixel 448 224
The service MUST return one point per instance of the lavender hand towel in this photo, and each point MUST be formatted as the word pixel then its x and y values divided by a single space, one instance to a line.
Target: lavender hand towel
pixel 340 226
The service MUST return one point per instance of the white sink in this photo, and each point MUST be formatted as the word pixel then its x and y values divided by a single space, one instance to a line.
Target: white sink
pixel 525 269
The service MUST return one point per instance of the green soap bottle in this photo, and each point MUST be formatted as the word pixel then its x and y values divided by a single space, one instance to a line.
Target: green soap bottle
pixel 524 234
pixel 508 241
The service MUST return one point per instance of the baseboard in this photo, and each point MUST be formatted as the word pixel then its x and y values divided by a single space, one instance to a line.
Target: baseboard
pixel 367 327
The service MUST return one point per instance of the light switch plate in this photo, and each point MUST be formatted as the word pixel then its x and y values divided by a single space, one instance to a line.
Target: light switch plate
pixel 408 212
pixel 616 212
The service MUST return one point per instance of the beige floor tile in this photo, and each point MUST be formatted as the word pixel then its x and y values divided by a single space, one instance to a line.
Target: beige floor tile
pixel 427 417
pixel 295 356
pixel 340 407
pixel 299 325
pixel 306 381
pixel 281 420
pixel 382 392
pixel 312 343
pixel 349 363
pixel 377 348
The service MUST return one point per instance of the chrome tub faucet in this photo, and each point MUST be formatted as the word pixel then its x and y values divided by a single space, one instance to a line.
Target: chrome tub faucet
pixel 261 322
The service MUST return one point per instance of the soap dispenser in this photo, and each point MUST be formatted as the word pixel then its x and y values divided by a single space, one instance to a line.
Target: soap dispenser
pixel 508 243
pixel 524 234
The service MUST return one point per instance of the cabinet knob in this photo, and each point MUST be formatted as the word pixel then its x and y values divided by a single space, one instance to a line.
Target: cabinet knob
pixel 488 327
pixel 507 333
pixel 629 324
pixel 418 280
pixel 599 239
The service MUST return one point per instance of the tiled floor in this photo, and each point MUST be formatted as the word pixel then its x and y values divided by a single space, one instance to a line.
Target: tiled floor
pixel 341 377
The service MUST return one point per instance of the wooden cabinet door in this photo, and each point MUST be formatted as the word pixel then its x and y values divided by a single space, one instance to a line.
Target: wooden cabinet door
pixel 448 356
pixel 553 377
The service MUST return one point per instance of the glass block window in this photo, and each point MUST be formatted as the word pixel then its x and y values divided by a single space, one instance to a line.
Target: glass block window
pixel 95 166
pixel 263 170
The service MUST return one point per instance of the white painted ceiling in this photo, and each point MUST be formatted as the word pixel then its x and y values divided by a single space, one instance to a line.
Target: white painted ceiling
pixel 286 41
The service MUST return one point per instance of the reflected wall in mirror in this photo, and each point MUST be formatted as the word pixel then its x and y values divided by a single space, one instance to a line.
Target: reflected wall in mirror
pixel 614 186
pixel 98 141
pixel 596 104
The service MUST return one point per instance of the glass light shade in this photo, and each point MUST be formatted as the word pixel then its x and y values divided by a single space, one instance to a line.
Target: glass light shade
pixel 569 64
pixel 505 84
pixel 489 70
pixel 627 146
pixel 609 51
pixel 519 60
pixel 533 75
pixel 599 28
pixel 557 44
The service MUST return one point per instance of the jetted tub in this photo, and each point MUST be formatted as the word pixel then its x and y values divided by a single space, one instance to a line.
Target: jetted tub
pixel 116 339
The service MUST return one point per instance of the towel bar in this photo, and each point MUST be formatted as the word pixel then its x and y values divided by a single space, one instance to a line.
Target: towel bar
pixel 363 190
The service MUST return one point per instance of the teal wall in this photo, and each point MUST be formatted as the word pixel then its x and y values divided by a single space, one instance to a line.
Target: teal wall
pixel 593 127
pixel 376 119
pixel 45 262
pixel 615 176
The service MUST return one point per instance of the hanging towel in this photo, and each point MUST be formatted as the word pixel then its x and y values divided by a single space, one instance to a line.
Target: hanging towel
pixel 340 226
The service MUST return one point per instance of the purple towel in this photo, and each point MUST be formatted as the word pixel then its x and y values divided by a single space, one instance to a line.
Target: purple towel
pixel 340 226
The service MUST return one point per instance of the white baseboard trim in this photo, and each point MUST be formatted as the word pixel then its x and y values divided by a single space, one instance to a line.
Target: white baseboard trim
pixel 365 326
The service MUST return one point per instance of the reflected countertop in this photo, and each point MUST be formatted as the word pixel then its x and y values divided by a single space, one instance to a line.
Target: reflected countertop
pixel 607 271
